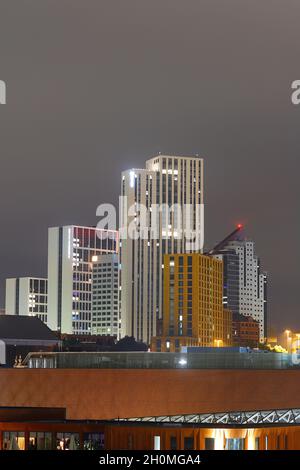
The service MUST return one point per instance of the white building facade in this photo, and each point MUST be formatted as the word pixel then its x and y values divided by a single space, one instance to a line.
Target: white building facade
pixel 70 253
pixel 252 285
pixel 27 296
pixel 166 182
pixel 105 295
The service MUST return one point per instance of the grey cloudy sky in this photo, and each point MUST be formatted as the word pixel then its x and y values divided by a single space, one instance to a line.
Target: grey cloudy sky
pixel 95 87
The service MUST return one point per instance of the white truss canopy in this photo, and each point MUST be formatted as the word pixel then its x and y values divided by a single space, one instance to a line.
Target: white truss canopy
pixel 240 418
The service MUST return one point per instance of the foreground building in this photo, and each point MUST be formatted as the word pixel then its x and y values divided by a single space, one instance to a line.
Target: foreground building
pixel 166 181
pixel 193 304
pixel 48 429
pixel 70 253
pixel 192 406
pixel 27 296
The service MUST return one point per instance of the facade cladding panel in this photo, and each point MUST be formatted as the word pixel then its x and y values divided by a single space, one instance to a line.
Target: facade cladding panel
pixel 208 391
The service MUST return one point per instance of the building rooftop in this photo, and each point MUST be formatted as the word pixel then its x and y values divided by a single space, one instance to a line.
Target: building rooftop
pixel 21 327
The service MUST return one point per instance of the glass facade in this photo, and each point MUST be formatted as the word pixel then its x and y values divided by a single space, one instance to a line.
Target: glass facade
pixel 235 444
pixel 87 243
pixel 14 440
pixel 67 441
pixel 38 298
pixel 71 250
pixel 52 440
pixel 93 441
pixel 148 360
pixel 40 441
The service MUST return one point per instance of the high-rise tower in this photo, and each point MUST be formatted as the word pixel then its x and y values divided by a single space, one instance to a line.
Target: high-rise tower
pixel 71 250
pixel 245 284
pixel 164 202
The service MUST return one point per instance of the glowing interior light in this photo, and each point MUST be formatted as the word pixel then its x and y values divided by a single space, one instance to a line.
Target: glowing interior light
pixel 132 177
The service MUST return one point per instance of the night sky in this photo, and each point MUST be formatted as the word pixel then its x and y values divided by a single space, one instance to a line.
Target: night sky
pixel 96 87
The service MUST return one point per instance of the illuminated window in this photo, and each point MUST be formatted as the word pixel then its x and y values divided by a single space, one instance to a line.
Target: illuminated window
pixel 93 441
pixel 13 441
pixel 40 441
pixel 266 442
pixel 67 441
pixel 156 442
pixel 235 444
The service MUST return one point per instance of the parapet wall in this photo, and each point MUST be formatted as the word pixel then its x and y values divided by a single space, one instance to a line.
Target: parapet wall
pixel 109 394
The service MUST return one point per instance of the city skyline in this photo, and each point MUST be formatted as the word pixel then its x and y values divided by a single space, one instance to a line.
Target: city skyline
pixel 155 158
pixel 133 91
pixel 149 251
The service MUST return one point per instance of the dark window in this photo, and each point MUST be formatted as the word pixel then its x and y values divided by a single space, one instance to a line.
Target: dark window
pixel 173 443
pixel 209 443
pixel 130 441
pixel 278 442
pixel 188 443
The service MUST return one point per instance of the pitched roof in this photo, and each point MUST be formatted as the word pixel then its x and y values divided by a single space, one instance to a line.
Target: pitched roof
pixel 238 234
pixel 24 327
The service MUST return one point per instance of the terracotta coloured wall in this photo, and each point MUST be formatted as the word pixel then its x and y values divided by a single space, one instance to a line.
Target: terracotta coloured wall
pixel 107 394
pixel 141 438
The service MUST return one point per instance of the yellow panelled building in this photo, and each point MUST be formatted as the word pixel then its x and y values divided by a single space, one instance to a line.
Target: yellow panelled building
pixel 193 312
